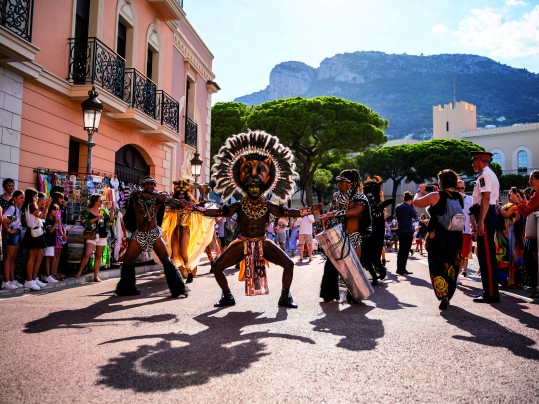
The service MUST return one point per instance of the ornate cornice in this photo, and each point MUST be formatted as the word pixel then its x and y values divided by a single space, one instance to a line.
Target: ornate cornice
pixel 190 54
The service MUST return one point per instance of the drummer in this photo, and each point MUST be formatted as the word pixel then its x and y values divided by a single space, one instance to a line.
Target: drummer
pixel 350 207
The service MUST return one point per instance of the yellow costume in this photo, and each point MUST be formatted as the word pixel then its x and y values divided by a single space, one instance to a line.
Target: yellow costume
pixel 201 233
pixel 176 222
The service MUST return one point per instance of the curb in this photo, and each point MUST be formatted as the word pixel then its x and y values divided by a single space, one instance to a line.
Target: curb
pixel 72 281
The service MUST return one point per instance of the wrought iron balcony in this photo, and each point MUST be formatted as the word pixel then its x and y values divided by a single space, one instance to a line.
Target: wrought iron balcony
pixel 190 133
pixel 91 61
pixel 167 110
pixel 140 92
pixel 16 16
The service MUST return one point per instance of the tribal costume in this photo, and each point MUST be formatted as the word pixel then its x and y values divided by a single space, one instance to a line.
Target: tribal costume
pixel 179 223
pixel 341 203
pixel 254 163
pixel 146 239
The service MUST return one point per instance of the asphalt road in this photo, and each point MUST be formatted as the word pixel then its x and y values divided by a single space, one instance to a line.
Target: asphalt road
pixel 81 345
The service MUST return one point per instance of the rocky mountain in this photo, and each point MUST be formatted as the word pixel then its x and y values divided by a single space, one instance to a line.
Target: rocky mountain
pixel 404 88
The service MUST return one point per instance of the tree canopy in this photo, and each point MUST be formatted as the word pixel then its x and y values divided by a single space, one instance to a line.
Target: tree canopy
pixel 314 127
pixel 417 162
pixel 228 118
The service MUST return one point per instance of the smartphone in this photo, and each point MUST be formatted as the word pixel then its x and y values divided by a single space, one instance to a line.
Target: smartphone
pixel 429 188
pixel 513 190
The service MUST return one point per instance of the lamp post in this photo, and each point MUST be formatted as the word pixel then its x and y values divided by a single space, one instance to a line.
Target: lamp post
pixel 91 110
pixel 196 166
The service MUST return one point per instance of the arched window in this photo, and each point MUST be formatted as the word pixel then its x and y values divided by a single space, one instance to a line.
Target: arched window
pixel 125 34
pixel 153 70
pixel 522 162
pixel 496 158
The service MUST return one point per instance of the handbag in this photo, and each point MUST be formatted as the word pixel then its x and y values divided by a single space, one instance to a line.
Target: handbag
pixel 89 234
pixel 36 231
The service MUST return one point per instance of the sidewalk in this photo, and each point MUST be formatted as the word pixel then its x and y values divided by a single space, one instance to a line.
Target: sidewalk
pixel 72 281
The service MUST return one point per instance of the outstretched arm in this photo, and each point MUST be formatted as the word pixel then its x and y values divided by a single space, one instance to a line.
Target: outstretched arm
pixel 225 210
pixel 281 211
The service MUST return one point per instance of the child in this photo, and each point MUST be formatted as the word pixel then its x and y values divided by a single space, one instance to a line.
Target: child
pixel 52 223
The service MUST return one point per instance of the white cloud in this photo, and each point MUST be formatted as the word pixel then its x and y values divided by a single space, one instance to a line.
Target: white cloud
pixel 515 3
pixel 487 30
pixel 440 29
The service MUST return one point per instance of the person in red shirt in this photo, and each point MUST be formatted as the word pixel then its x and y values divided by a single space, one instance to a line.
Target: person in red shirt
pixel 528 209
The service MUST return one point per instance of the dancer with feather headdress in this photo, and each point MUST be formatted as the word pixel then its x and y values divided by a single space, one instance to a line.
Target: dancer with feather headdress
pixel 254 163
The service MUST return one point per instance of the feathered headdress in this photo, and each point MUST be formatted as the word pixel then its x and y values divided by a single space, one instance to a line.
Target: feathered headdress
pixel 255 143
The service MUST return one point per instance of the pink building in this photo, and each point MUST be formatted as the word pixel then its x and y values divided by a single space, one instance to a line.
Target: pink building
pixel 151 69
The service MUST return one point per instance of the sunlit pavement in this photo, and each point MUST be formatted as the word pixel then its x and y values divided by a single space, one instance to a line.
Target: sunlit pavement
pixel 81 345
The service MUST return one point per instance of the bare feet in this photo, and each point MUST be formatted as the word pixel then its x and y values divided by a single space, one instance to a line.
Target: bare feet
pixel 96 279
pixel 78 274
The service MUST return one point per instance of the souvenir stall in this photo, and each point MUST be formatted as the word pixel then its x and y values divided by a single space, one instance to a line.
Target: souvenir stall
pixel 77 188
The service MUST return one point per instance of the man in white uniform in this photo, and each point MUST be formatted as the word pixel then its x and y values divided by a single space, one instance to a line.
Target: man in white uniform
pixel 485 196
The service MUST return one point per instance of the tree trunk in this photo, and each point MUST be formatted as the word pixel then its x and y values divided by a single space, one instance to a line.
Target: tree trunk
pixel 308 181
pixel 396 184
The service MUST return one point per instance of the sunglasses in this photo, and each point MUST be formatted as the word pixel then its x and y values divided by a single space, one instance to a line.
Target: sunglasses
pixel 462 188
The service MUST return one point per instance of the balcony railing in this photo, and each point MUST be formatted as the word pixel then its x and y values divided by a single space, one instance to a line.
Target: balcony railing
pixel 91 61
pixel 167 110
pixel 140 92
pixel 190 133
pixel 16 16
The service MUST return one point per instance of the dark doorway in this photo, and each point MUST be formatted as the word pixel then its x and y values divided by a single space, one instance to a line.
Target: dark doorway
pixel 130 165
pixel 80 47
pixel 74 156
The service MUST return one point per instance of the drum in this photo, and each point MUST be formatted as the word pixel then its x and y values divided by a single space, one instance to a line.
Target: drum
pixel 349 267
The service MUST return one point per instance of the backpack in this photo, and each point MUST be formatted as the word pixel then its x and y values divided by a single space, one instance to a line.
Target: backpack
pixel 453 218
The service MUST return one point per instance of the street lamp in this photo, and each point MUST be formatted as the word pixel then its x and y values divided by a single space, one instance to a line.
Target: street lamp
pixel 91 110
pixel 196 166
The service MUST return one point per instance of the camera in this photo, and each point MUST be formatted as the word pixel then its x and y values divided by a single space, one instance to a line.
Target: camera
pixel 429 188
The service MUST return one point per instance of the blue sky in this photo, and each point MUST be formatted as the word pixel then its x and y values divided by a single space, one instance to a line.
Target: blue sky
pixel 249 37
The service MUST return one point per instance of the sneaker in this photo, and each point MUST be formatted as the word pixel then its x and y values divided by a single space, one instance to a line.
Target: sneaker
pixel 8 285
pixel 17 283
pixel 31 285
pixel 50 279
pixel 39 283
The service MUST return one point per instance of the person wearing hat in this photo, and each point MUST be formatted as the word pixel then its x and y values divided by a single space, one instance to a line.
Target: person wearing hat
pixel 141 220
pixel 350 207
pixel 485 195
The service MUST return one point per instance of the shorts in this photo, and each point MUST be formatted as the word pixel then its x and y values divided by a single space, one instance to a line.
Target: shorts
pixel 13 238
pixel 280 237
pixel 100 241
pixel 466 246
pixel 305 239
pixel 49 251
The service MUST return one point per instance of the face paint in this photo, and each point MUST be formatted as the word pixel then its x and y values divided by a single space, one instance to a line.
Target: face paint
pixel 181 188
pixel 254 176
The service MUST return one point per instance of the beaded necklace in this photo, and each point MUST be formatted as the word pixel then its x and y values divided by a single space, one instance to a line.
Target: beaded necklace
pixel 147 207
pixel 254 210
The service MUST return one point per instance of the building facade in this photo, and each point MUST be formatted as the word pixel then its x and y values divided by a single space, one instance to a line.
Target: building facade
pixel 151 69
pixel 515 148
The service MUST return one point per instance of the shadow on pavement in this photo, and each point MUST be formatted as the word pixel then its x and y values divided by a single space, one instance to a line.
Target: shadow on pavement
pixel 182 360
pixel 489 333
pixel 88 316
pixel 360 332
